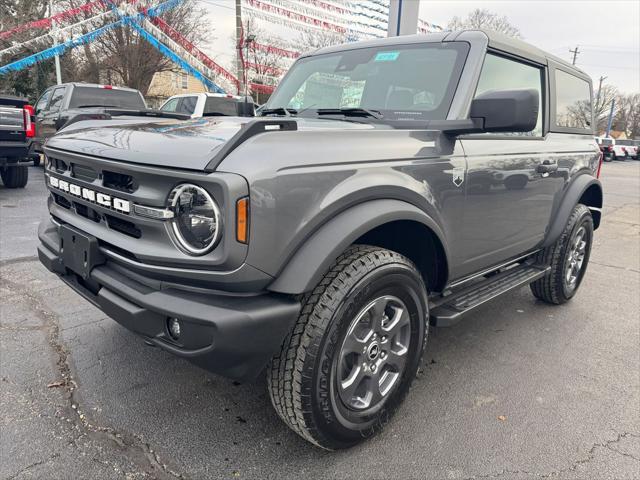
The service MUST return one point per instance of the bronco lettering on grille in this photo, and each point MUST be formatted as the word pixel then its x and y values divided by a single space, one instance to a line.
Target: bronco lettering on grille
pixel 102 199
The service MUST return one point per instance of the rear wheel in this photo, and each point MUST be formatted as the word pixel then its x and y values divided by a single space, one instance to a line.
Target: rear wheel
pixel 351 357
pixel 568 258
pixel 15 177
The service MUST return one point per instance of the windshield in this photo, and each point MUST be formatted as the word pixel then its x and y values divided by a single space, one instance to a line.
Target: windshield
pixel 606 141
pixel 400 82
pixel 106 97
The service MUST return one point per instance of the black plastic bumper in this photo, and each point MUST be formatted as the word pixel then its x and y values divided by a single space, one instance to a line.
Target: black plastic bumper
pixel 234 336
pixel 14 152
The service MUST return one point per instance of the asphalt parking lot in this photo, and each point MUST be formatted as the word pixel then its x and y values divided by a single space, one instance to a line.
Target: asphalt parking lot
pixel 519 389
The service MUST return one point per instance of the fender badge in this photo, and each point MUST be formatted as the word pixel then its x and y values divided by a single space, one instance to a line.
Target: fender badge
pixel 458 176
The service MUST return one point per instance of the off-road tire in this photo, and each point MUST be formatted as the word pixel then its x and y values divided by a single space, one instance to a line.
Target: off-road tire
pixel 15 177
pixel 552 288
pixel 301 375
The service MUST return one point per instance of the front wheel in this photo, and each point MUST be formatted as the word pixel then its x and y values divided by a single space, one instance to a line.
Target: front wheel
pixel 568 258
pixel 350 359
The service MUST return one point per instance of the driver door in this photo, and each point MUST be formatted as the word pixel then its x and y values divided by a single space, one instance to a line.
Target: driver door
pixel 508 201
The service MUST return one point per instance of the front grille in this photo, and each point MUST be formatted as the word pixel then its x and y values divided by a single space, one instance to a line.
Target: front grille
pixel 123 226
pixel 86 212
pixel 119 181
pixel 58 165
pixel 83 172
pixel 60 200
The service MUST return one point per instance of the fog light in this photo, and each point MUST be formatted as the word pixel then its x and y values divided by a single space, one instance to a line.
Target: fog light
pixel 173 325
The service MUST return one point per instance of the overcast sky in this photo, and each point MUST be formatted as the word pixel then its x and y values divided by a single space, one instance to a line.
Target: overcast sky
pixel 607 32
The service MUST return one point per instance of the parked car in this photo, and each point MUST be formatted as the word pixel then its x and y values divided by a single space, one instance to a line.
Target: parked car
pixel 71 101
pixel 210 104
pixel 630 148
pixel 320 241
pixel 17 128
pixel 606 147
pixel 618 151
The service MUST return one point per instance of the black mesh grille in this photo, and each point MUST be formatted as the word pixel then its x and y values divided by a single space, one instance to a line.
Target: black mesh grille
pixel 83 172
pixel 119 181
pixel 60 200
pixel 86 212
pixel 58 165
pixel 123 226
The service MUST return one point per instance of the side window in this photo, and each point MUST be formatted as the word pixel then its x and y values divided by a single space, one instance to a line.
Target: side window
pixel 56 99
pixel 42 101
pixel 573 101
pixel 188 105
pixel 500 73
pixel 171 105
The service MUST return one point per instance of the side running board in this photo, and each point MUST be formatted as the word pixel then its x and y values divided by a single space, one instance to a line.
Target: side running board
pixel 450 309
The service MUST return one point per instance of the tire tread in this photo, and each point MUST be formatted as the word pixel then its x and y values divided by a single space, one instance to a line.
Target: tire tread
pixel 286 374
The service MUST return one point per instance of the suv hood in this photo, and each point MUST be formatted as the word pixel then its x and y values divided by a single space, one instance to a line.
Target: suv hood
pixel 185 144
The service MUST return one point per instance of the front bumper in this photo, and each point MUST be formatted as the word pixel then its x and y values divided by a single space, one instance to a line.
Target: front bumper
pixel 228 334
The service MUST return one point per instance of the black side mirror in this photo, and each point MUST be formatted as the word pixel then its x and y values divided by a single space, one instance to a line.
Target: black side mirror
pixel 506 110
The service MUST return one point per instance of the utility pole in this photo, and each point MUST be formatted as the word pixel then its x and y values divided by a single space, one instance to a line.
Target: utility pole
pixel 613 103
pixel 602 78
pixel 575 54
pixel 239 44
pixel 55 42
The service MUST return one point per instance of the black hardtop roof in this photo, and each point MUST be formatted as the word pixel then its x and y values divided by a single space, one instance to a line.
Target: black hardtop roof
pixel 496 41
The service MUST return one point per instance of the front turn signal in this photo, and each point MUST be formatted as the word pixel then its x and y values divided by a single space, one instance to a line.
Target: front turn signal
pixel 242 220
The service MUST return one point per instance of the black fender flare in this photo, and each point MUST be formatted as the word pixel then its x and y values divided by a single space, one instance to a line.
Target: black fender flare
pixel 569 200
pixel 316 255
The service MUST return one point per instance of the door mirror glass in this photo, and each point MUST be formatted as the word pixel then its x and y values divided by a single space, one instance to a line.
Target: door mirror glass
pixel 507 110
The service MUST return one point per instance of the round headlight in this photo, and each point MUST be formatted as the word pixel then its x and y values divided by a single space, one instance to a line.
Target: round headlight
pixel 196 222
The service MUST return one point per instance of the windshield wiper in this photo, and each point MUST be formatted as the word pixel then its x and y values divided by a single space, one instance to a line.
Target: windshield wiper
pixel 351 112
pixel 287 112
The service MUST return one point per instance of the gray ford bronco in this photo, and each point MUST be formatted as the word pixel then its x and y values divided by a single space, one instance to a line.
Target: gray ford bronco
pixel 390 185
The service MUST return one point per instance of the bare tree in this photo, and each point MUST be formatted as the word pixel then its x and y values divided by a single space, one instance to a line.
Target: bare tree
pixel 262 63
pixel 314 39
pixel 123 56
pixel 602 105
pixel 485 19
pixel 627 118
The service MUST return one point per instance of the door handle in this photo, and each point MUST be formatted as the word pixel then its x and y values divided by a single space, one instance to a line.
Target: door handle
pixel 547 168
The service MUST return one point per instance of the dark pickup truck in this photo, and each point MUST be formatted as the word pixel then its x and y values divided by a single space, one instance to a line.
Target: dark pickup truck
pixel 17 129
pixel 391 185
pixel 71 102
